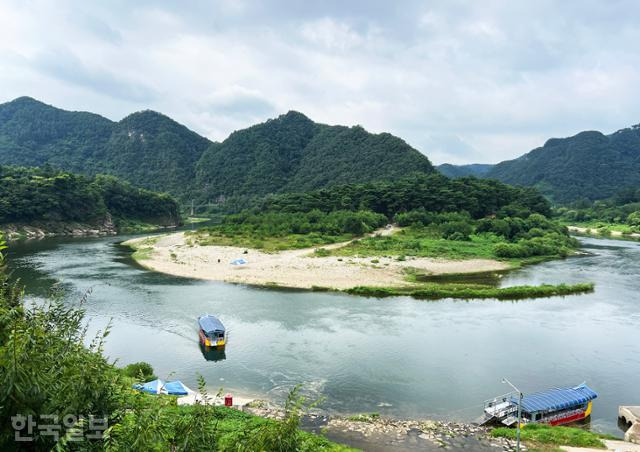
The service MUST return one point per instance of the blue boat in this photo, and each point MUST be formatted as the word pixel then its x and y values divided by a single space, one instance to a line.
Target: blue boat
pixel 554 406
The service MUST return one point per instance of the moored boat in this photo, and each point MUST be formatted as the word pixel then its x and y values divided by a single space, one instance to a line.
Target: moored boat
pixel 212 332
pixel 555 406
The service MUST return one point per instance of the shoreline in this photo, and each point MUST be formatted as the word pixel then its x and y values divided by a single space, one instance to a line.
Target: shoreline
pixel 582 231
pixel 297 269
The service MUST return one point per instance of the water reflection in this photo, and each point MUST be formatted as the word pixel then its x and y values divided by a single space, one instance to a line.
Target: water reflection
pixel 213 353
pixel 397 356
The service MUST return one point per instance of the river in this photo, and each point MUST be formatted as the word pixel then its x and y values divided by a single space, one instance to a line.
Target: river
pixel 397 356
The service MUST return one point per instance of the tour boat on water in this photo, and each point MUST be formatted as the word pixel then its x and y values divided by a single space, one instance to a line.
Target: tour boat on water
pixel 555 406
pixel 212 332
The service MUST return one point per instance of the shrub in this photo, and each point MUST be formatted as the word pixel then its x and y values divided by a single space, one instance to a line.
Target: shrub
pixel 140 371
pixel 458 236
pixel 416 217
pixel 634 219
pixel 462 229
pixel 322 252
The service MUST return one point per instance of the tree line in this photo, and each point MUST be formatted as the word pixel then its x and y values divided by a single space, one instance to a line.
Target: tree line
pixel 46 194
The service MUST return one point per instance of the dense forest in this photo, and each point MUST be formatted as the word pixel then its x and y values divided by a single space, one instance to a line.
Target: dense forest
pixel 30 195
pixel 473 169
pixel 292 153
pixel 433 192
pixel 150 150
pixel 622 209
pixel 588 165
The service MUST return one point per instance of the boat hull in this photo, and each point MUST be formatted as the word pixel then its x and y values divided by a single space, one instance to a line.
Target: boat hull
pixel 573 417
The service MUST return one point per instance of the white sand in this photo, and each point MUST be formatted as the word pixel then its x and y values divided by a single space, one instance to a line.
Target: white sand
pixel 294 268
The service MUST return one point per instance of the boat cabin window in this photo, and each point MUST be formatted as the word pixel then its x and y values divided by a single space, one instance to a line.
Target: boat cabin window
pixel 216 334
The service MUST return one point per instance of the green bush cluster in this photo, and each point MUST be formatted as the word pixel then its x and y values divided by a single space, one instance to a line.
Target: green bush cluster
pixel 622 208
pixel 140 371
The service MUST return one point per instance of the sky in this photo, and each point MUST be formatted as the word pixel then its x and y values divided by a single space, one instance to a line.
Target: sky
pixel 461 81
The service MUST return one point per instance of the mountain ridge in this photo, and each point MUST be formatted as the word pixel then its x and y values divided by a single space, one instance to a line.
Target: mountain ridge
pixel 288 153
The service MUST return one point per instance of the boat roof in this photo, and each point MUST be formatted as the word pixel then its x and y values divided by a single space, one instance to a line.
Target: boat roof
pixel 557 399
pixel 210 323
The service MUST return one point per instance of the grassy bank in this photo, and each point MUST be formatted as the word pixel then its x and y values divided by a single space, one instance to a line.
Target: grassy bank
pixel 142 249
pixel 471 291
pixel 544 436
pixel 263 242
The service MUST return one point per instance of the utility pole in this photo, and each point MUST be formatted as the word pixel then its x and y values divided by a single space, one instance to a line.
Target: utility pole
pixel 504 380
pixel 192 211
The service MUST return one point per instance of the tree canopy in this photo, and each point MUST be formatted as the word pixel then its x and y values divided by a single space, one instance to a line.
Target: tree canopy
pixel 45 194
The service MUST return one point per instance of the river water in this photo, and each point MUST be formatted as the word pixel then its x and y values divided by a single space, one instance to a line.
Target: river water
pixel 397 356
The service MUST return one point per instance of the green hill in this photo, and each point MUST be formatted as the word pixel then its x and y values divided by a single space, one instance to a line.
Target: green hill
pixel 292 153
pixel 145 148
pixel 473 169
pixel 286 154
pixel 588 165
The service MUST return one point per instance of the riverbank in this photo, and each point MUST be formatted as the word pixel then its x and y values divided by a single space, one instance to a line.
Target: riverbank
pixel 41 229
pixel 176 255
pixel 603 233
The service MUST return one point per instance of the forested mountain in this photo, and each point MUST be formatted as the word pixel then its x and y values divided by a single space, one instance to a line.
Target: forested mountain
pixel 293 153
pixel 473 169
pixel 289 153
pixel 145 148
pixel 37 195
pixel 588 165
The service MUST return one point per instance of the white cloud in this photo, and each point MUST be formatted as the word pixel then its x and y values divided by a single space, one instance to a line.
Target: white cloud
pixel 460 80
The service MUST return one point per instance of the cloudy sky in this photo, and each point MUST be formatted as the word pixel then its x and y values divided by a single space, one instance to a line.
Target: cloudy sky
pixel 462 81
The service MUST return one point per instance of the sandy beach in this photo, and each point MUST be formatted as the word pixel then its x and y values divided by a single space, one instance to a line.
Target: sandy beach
pixel 173 255
pixel 595 232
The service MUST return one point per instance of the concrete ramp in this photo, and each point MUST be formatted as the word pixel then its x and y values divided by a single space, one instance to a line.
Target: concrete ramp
pixel 631 415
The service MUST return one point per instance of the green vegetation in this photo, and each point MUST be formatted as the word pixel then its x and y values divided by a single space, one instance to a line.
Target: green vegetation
pixel 143 249
pixel 292 154
pixel 543 435
pixel 588 165
pixel 146 148
pixel 289 153
pixel 458 236
pixel 474 169
pixel 45 369
pixel 468 219
pixel 29 195
pixel 434 206
pixel 434 193
pixel 139 371
pixel 469 291
pixel 364 417
pixel 619 213
pixel 278 231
